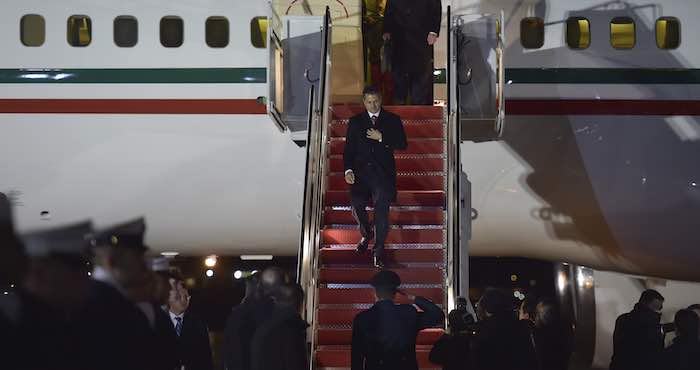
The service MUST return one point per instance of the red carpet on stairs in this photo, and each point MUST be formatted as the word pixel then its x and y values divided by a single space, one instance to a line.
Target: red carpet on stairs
pixel 415 246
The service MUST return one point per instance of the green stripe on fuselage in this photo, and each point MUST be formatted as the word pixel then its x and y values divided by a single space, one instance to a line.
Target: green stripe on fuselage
pixel 622 76
pixel 136 75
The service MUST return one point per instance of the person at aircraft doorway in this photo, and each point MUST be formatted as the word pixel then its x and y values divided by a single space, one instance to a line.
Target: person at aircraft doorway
pixel 370 169
pixel 413 28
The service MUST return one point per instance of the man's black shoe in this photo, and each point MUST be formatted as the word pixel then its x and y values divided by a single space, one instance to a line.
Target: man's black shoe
pixel 362 245
pixel 378 263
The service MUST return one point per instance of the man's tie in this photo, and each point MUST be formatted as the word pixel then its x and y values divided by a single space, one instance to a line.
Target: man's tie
pixel 178 326
pixel 374 120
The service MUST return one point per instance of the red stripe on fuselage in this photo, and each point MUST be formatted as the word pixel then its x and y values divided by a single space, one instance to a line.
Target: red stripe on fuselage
pixel 132 106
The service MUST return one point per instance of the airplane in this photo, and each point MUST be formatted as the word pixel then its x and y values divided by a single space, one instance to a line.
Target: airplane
pixel 111 109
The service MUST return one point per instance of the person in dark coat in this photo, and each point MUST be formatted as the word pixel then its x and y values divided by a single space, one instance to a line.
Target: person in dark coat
pixel 370 169
pixel 41 315
pixel 193 346
pixel 118 334
pixel 384 336
pixel 501 341
pixel 684 353
pixel 413 26
pixel 638 340
pixel 553 337
pixel 280 342
pixel 451 351
pixel 244 319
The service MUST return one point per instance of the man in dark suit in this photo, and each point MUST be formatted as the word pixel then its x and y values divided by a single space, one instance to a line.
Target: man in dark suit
pixel 244 319
pixel 193 347
pixel 370 169
pixel 638 341
pixel 280 342
pixel 413 26
pixel 384 336
pixel 117 333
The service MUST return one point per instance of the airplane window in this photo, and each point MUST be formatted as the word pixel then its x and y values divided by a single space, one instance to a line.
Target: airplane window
pixel 217 32
pixel 79 30
pixel 622 33
pixel 32 30
pixel 532 32
pixel 172 31
pixel 578 33
pixel 258 32
pixel 668 33
pixel 126 31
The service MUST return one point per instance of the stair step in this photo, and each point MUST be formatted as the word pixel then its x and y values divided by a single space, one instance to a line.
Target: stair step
pixel 434 128
pixel 404 181
pixel 351 275
pixel 392 256
pixel 395 236
pixel 402 164
pixel 415 146
pixel 426 198
pixel 355 295
pixel 404 111
pixel 405 217
pixel 338 357
pixel 340 336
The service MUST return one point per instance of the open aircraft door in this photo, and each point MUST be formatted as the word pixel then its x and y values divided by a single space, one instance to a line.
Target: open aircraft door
pixel 477 60
pixel 294 44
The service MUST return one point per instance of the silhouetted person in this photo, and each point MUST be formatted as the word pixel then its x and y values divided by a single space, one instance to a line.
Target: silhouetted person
pixel 695 308
pixel 244 319
pixel 552 336
pixel 165 340
pixel 684 353
pixel 501 341
pixel 193 347
pixel 370 169
pixel 413 26
pixel 43 317
pixel 280 342
pixel 451 351
pixel 638 341
pixel 119 334
pixel 384 336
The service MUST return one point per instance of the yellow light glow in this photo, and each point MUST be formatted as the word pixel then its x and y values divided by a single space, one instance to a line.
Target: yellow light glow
pixel 210 261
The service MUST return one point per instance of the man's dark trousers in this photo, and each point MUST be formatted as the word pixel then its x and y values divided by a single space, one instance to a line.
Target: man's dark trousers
pixel 370 181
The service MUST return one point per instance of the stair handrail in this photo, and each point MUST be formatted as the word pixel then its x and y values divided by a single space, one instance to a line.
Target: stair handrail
pixel 454 167
pixel 315 182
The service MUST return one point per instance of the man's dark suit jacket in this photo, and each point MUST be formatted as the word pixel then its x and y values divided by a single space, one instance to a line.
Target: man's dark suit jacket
pixel 384 336
pixel 280 342
pixel 360 150
pixel 409 22
pixel 241 325
pixel 116 334
pixel 193 344
pixel 637 340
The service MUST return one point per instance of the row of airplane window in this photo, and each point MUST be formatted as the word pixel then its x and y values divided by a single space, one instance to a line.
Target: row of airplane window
pixel 622 33
pixel 172 31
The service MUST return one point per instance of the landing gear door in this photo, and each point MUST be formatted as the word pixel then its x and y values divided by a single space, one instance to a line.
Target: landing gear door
pixel 480 74
pixel 294 43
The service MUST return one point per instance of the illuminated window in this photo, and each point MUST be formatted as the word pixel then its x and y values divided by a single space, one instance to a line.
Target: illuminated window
pixel 79 30
pixel 532 32
pixel 668 33
pixel 258 32
pixel 217 32
pixel 622 33
pixel 32 30
pixel 172 31
pixel 578 33
pixel 126 31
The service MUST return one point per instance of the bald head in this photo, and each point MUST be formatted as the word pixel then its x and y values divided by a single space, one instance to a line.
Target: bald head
pixel 270 280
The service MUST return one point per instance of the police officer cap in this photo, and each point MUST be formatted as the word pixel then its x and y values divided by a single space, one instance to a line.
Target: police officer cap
pixel 66 240
pixel 125 235
pixel 386 279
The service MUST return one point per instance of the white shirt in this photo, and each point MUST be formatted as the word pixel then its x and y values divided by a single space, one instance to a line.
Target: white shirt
pixel 370 114
pixel 173 318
